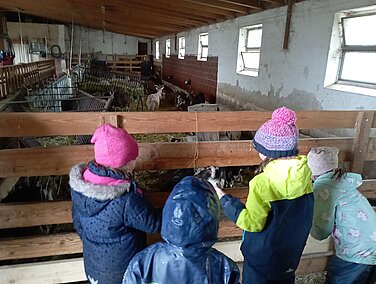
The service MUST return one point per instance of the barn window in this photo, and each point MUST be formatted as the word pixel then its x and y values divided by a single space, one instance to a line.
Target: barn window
pixel 168 48
pixel 157 49
pixel 181 53
pixel 351 62
pixel 203 47
pixel 249 50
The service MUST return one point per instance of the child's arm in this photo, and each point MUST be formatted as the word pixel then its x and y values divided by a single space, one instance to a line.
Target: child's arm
pixel 139 214
pixel 324 213
pixel 250 217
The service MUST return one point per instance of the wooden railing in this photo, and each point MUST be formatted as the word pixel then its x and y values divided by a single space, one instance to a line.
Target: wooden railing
pixel 14 77
pixel 116 63
pixel 58 160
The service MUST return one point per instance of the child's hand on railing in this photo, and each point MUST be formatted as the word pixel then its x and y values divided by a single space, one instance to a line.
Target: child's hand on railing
pixel 218 190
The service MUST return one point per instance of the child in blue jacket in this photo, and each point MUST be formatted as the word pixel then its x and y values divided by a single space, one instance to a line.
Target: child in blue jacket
pixel 109 212
pixel 343 212
pixel 277 216
pixel 190 221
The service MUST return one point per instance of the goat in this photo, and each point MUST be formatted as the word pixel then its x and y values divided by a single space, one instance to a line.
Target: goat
pixel 153 100
pixel 183 100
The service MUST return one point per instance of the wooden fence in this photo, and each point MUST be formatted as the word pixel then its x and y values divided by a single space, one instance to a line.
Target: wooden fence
pixel 116 63
pixel 58 160
pixel 14 77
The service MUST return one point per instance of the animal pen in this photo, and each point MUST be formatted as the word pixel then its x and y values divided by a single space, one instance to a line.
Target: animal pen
pixel 57 160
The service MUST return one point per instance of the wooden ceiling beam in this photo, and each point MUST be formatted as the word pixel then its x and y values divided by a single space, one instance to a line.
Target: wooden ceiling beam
pixel 179 10
pixel 253 4
pixel 221 5
pixel 198 6
pixel 281 2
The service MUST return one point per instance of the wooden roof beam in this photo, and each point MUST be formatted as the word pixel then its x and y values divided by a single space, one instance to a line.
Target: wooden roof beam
pixel 198 6
pixel 221 5
pixel 253 4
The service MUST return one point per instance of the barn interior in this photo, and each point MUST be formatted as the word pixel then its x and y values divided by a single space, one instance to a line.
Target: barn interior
pixel 191 80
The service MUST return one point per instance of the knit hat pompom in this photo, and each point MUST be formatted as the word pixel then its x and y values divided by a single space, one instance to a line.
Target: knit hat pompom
pixel 278 137
pixel 113 147
pixel 284 115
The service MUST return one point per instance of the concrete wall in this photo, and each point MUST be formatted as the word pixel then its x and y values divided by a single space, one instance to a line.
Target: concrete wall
pixel 92 41
pixel 292 77
pixel 54 34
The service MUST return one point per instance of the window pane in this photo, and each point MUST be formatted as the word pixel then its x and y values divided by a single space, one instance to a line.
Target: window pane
pixel 204 53
pixel 251 60
pixel 359 31
pixel 182 42
pixel 359 66
pixel 204 39
pixel 254 38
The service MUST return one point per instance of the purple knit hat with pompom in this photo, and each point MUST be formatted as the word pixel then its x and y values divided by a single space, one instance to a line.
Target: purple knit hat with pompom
pixel 278 137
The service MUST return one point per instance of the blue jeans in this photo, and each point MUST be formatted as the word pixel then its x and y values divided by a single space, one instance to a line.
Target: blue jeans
pixel 344 272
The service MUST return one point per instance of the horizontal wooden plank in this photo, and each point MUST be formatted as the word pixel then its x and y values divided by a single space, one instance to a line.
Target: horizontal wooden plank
pixel 371 150
pixel 72 270
pixel 70 243
pixel 368 188
pixel 58 271
pixel 16 215
pixel 59 160
pixel 315 262
pixel 50 124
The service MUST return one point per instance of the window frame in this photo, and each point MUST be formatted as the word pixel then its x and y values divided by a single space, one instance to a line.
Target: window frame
pixel 243 48
pixel 168 48
pixel 335 58
pixel 353 48
pixel 181 47
pixel 201 47
pixel 157 50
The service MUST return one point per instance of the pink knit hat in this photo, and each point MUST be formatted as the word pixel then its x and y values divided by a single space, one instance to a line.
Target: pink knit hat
pixel 278 137
pixel 113 147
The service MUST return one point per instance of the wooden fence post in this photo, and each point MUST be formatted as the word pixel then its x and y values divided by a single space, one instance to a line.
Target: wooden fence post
pixel 363 126
pixel 114 120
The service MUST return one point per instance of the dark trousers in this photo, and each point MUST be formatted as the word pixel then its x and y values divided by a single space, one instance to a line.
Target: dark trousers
pixel 344 272
pixel 253 276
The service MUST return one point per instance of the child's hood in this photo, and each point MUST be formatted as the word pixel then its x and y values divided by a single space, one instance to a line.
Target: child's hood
pixel 348 181
pixel 92 198
pixel 190 216
pixel 288 176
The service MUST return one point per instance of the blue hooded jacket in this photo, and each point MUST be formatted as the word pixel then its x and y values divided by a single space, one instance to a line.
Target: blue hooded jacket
pixel 111 222
pixel 190 221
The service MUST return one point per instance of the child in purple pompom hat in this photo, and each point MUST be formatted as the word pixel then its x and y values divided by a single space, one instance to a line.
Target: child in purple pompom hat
pixel 277 216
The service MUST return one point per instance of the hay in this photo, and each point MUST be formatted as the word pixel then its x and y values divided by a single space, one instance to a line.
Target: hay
pixel 313 278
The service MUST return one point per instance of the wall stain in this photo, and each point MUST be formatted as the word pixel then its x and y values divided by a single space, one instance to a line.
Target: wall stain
pixel 235 98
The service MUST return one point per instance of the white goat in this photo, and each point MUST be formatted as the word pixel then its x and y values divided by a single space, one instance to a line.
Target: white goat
pixel 153 100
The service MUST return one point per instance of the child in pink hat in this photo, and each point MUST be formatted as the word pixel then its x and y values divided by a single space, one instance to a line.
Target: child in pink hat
pixel 277 217
pixel 109 212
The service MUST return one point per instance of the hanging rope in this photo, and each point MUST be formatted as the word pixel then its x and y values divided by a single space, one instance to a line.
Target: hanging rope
pixel 196 154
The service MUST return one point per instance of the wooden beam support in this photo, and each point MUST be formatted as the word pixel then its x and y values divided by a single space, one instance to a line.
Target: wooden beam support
pixel 222 5
pixel 28 214
pixel 153 156
pixel 51 124
pixel 362 136
pixel 288 24
pixel 253 4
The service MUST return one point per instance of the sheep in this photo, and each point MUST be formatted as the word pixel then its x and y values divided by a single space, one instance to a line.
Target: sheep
pixel 153 100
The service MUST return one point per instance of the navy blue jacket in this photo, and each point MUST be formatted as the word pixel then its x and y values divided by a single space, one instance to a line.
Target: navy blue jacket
pixel 111 222
pixel 190 221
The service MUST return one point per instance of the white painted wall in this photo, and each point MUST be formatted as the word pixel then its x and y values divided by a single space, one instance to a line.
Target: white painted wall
pixel 293 77
pixel 107 43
